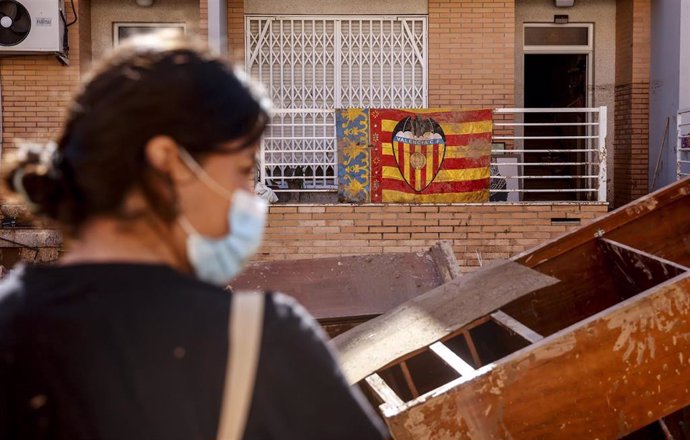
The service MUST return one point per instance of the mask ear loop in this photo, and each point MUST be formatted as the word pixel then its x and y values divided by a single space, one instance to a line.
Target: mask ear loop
pixel 202 175
pixel 186 225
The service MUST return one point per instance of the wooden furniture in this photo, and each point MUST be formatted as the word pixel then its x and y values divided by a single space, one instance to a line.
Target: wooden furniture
pixel 604 353
pixel 343 292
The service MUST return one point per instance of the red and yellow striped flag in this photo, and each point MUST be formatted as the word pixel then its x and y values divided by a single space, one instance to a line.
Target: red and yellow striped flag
pixel 430 156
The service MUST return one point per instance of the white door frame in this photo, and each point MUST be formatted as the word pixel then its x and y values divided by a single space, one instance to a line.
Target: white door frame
pixel 587 50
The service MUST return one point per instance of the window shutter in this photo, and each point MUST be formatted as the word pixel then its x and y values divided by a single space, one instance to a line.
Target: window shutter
pixel 313 65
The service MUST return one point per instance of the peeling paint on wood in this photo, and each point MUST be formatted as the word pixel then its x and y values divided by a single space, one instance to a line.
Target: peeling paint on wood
pixel 533 393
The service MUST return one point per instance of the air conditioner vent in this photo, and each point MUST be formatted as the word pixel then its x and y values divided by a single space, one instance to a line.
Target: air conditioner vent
pixel 32 26
pixel 15 23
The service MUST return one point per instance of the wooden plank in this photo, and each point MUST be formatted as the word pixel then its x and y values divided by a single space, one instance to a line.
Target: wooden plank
pixel 605 377
pixel 408 380
pixel 616 219
pixel 383 391
pixel 431 317
pixel 453 360
pixel 516 327
pixel 473 348
pixel 446 264
pixel 639 270
pixel 346 287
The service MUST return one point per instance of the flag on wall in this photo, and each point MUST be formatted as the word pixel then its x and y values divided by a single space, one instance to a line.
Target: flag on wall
pixel 413 156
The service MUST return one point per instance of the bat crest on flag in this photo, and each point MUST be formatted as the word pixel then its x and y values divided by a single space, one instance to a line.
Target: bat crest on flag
pixel 419 147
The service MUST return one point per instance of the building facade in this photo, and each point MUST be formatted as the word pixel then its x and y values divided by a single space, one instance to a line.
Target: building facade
pixel 315 57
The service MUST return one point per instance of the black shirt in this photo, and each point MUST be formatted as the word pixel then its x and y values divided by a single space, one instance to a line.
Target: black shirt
pixel 131 351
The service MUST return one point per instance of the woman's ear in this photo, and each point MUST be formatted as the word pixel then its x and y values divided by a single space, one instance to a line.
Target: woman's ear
pixel 162 153
pixel 158 188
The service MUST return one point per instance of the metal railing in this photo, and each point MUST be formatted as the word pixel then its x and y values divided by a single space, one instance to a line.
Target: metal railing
pixel 556 154
pixel 683 144
pixel 552 154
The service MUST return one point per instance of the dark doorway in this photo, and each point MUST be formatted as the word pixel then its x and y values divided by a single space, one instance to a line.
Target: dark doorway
pixel 551 81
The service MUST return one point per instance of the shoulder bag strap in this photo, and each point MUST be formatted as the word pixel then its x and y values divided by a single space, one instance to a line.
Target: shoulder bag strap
pixel 245 327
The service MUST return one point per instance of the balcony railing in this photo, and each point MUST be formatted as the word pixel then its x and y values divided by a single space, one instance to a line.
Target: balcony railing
pixel 554 154
pixel 683 145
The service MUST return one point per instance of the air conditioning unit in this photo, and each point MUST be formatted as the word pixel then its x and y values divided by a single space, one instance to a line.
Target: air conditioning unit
pixel 31 26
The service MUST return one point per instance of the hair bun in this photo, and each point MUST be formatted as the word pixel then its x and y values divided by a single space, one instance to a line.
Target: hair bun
pixel 41 189
pixel 36 178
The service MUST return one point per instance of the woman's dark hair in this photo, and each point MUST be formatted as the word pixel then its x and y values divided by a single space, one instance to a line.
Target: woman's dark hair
pixel 153 85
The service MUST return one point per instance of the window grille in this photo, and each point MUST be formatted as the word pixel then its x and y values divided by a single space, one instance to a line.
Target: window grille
pixel 312 65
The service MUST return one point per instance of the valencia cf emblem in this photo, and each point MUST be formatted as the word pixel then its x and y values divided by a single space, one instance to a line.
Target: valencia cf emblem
pixel 419 147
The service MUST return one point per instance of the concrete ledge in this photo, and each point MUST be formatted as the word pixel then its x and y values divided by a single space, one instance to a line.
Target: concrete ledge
pixel 30 238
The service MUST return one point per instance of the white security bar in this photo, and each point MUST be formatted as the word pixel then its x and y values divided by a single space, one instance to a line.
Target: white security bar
pixel 683 144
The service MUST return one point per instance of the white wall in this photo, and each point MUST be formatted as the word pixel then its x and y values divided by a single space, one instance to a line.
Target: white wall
pixel 684 98
pixel 664 86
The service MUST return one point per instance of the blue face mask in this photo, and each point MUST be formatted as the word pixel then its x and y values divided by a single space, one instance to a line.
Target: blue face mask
pixel 218 260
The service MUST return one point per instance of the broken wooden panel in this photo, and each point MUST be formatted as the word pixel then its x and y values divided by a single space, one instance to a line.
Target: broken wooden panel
pixel 662 232
pixel 618 220
pixel 548 354
pixel 431 317
pixel 347 288
pixel 593 276
pixel 587 286
pixel 637 269
pixel 605 377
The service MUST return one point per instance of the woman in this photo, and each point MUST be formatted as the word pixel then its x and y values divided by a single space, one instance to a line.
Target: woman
pixel 127 336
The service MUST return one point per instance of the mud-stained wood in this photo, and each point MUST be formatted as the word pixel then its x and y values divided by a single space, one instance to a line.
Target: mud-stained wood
pixel 604 378
pixel 383 391
pixel 664 232
pixel 430 317
pixel 446 264
pixel 679 191
pixel 655 224
pixel 638 269
pixel 587 286
pixel 453 360
pixel 348 287
pixel 517 327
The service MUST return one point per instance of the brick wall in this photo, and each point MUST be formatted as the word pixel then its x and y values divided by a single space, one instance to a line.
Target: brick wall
pixel 631 144
pixel 35 90
pixel 471 53
pixel 203 18
pixel 236 30
pixel 486 231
